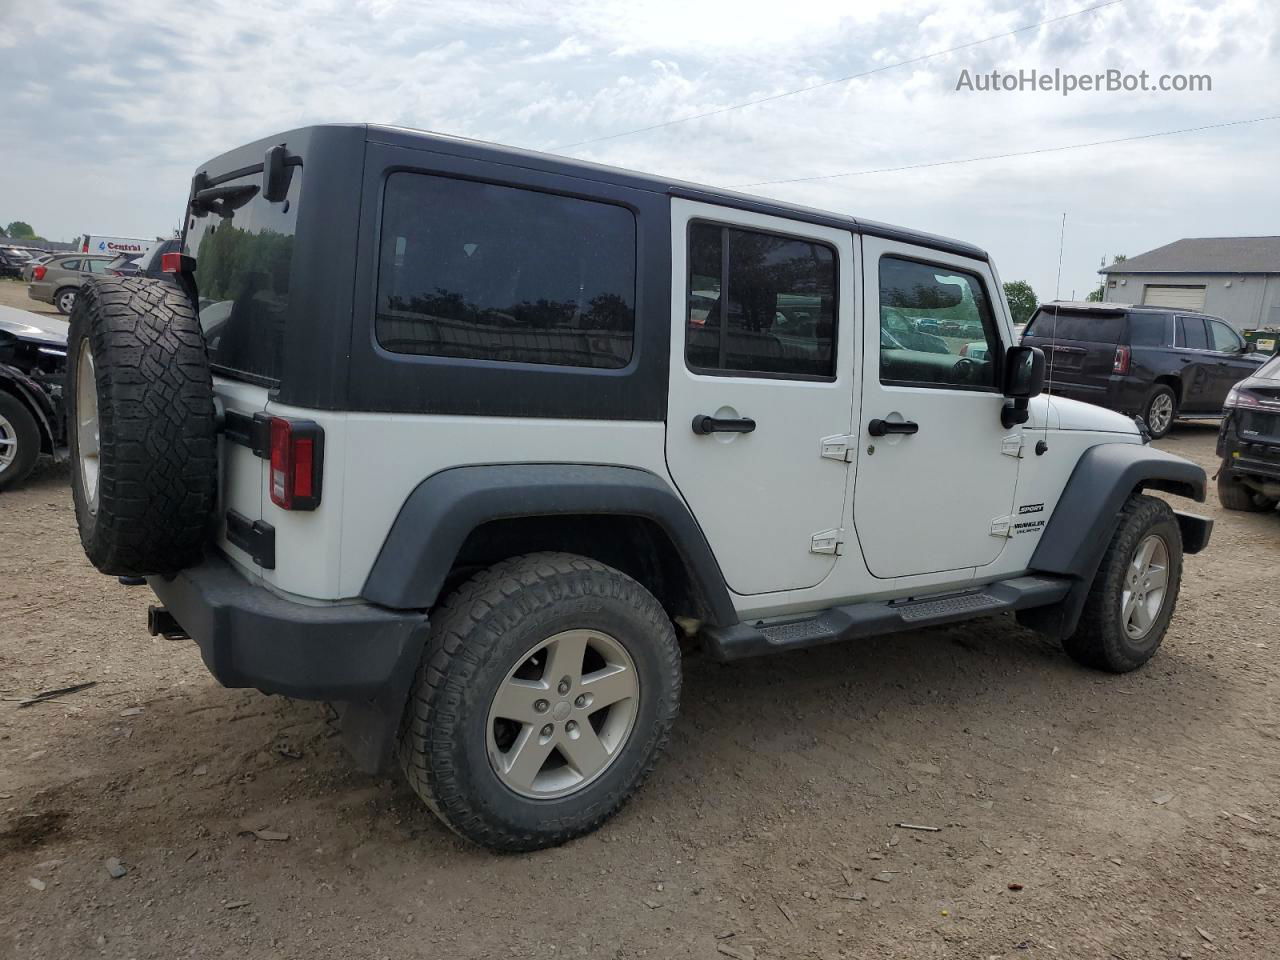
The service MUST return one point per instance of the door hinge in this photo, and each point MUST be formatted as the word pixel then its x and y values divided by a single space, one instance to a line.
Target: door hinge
pixel 826 541
pixel 838 447
pixel 1002 527
pixel 1011 446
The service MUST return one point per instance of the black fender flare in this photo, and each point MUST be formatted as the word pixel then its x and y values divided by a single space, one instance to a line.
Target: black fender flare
pixel 42 407
pixel 443 509
pixel 1085 518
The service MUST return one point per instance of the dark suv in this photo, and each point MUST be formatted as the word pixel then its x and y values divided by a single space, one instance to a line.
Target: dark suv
pixel 1249 442
pixel 1149 361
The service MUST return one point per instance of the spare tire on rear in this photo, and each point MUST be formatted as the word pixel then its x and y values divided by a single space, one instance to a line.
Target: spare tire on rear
pixel 141 426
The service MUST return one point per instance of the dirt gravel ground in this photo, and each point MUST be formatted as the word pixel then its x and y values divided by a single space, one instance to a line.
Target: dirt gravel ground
pixel 1080 815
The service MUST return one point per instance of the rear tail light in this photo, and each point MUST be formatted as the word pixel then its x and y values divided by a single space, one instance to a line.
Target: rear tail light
pixel 297 462
pixel 1242 399
pixel 1121 362
pixel 39 272
pixel 177 263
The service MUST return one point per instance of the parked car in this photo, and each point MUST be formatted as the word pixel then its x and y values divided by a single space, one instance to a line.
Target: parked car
pixel 1249 442
pixel 461 441
pixel 1152 362
pixel 33 360
pixel 12 260
pixel 29 267
pixel 123 265
pixel 150 264
pixel 59 279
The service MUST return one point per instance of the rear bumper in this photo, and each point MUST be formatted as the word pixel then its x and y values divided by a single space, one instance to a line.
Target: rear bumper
pixel 1119 393
pixel 39 290
pixel 249 637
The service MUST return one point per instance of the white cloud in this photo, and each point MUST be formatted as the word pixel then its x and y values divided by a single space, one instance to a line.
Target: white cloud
pixel 118 105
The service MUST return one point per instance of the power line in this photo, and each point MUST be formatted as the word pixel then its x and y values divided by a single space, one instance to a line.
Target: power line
pixel 829 83
pixel 1006 156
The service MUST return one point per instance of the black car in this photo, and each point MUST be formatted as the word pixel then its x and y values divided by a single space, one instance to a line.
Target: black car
pixel 12 260
pixel 1249 442
pixel 33 362
pixel 1152 362
pixel 150 263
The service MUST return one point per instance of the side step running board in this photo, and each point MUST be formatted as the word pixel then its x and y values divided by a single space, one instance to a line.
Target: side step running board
pixel 878 617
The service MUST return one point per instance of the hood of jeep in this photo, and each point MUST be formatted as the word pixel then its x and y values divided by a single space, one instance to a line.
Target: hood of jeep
pixel 1078 415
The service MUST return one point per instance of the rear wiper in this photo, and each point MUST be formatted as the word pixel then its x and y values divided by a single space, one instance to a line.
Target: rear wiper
pixel 222 200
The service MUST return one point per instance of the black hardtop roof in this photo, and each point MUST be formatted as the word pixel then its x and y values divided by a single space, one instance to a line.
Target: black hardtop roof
pixel 251 154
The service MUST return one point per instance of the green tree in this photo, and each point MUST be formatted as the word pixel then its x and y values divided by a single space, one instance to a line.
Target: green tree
pixel 1022 300
pixel 19 230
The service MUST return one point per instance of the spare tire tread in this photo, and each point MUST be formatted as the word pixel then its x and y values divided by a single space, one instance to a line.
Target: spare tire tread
pixel 157 431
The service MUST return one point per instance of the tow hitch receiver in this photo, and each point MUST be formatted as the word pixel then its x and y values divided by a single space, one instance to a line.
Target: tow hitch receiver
pixel 162 623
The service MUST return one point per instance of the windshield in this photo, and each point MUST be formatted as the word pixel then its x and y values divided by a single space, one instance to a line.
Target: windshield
pixel 243 246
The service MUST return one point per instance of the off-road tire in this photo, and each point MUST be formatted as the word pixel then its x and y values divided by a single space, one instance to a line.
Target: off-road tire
pixel 1100 640
pixel 157 435
pixel 26 433
pixel 1160 391
pixel 57 299
pixel 1234 495
pixel 479 634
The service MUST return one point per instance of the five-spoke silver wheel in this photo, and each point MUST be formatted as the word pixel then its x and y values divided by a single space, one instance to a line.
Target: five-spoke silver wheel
pixel 563 714
pixel 1145 585
pixel 87 439
pixel 8 443
pixel 66 301
pixel 1160 413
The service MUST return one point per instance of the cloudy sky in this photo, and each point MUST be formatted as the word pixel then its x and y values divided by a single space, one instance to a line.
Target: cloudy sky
pixel 109 107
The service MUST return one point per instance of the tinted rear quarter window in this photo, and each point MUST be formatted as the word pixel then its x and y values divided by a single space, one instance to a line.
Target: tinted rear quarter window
pixel 243 247
pixel 1076 325
pixel 481 271
pixel 1148 330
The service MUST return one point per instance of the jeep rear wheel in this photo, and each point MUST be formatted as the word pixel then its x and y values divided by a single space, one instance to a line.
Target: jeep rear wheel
pixel 546 692
pixel 141 427
pixel 1133 594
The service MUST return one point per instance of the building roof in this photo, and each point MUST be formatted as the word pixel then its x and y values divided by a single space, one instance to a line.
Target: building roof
pixel 1206 255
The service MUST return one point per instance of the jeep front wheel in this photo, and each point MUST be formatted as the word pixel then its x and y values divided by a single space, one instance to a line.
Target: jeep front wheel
pixel 546 692
pixel 1133 594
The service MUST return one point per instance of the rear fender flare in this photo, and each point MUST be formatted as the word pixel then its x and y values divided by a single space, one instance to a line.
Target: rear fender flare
pixel 437 517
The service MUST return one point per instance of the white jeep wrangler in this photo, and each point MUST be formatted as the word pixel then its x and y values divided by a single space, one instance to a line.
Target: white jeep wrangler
pixel 463 438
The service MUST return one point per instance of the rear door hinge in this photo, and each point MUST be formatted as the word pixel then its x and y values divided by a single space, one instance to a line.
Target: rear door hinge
pixel 1002 527
pixel 1011 446
pixel 826 541
pixel 838 447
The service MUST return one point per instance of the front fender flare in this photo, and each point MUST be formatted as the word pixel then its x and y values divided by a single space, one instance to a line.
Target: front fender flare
pixel 42 407
pixel 442 510
pixel 1085 518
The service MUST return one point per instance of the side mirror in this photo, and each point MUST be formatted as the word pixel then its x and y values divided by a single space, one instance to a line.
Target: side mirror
pixel 1249 347
pixel 1023 372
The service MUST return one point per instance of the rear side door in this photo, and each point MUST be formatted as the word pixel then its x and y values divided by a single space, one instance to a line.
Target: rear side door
pixel 1199 365
pixel 762 345
pixel 936 469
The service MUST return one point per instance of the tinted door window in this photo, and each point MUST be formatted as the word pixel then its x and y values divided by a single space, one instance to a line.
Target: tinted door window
pixel 1191 333
pixel 1224 339
pixel 69 264
pixel 1149 330
pixel 936 327
pixel 760 303
pixel 487 272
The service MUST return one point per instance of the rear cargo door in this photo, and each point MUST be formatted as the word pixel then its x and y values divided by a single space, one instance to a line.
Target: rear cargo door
pixel 243 247
pixel 1080 347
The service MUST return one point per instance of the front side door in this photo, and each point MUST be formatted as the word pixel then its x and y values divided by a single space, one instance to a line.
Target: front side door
pixel 1232 361
pixel 936 470
pixel 762 347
